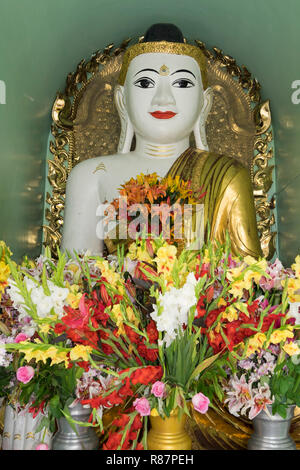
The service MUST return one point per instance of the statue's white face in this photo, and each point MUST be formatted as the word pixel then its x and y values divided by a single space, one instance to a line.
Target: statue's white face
pixel 163 96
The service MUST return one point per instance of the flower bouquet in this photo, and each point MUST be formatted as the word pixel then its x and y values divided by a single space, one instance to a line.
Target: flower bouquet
pixel 152 206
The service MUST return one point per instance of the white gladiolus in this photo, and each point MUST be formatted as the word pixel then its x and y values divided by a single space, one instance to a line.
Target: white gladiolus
pixel 175 305
pixel 44 303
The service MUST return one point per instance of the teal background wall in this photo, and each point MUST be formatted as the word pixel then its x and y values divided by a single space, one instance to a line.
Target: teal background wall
pixel 41 41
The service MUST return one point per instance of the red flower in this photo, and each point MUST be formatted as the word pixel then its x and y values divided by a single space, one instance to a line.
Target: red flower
pixel 126 391
pixel 121 422
pixel 147 353
pixel 113 441
pixel 152 332
pixel 216 342
pixel 84 364
pixel 35 410
pixel 131 335
pixel 200 310
pixel 104 295
pixel 59 328
pixel 146 375
pixel 268 320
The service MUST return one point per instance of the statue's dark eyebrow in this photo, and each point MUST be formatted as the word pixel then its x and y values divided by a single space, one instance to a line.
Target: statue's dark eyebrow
pixel 184 70
pixel 147 70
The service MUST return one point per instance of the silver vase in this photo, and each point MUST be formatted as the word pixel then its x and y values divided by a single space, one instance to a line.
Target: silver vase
pixel 67 439
pixel 272 432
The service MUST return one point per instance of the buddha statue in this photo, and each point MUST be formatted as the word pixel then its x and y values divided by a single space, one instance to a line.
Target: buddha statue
pixel 162 97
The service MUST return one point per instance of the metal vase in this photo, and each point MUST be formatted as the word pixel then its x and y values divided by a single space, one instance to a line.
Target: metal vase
pixel 67 439
pixel 272 432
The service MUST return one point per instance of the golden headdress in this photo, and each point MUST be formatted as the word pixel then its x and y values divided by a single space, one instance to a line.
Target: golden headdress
pixel 167 39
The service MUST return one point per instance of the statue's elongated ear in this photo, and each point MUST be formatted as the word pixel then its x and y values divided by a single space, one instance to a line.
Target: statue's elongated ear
pixel 127 132
pixel 199 129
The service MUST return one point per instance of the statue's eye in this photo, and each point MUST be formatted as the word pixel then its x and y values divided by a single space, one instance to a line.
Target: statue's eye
pixel 144 83
pixel 183 83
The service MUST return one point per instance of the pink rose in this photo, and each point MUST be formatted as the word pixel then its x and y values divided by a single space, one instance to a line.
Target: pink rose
pixel 158 389
pixel 25 374
pixel 42 447
pixel 142 406
pixel 200 402
pixel 20 337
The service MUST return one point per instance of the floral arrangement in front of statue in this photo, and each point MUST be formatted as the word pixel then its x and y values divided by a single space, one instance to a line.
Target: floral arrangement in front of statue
pixel 266 367
pixel 139 335
pixel 153 206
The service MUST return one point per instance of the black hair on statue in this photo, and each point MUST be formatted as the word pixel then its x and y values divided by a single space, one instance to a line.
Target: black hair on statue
pixel 163 32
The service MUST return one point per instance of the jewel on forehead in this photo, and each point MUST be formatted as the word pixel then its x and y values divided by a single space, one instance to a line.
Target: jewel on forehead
pixel 164 70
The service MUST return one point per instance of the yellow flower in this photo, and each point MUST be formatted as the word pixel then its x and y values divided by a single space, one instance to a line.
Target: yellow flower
pixel 296 266
pixel 237 288
pixel 36 354
pixel 118 318
pixel 73 267
pixel 252 276
pixel 4 275
pixel 166 257
pixel 256 342
pixel 143 255
pixel 44 328
pixel 234 273
pixel 291 349
pixel 4 250
pixel 293 288
pixel 222 302
pixel 230 314
pixel 74 296
pixel 132 251
pixel 80 352
pixel 281 335
pixel 206 258
pixel 131 316
pixel 167 253
pixel 111 276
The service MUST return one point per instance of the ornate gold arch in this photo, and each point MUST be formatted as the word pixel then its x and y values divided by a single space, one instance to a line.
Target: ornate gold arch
pixel 85 124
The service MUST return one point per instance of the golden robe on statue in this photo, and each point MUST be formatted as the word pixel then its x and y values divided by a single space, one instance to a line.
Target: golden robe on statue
pixel 228 200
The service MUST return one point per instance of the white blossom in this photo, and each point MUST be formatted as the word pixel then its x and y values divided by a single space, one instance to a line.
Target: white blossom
pixel 175 306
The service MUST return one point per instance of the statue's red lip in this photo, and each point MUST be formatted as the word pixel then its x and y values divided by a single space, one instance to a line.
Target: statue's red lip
pixel 163 114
